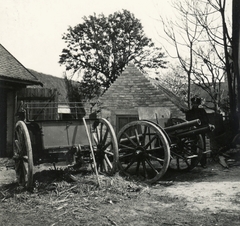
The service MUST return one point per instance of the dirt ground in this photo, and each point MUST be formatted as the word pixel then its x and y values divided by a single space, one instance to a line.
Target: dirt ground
pixel 204 196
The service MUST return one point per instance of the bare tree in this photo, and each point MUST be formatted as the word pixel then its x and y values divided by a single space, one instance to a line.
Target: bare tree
pixel 209 77
pixel 201 38
pixel 184 34
pixel 219 39
pixel 235 51
pixel 175 80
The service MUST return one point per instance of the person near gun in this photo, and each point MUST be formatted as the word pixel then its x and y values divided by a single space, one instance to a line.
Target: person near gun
pixel 197 112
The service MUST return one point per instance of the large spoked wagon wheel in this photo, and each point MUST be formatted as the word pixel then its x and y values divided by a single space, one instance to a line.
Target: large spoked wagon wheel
pixel 143 151
pixel 23 155
pixel 186 152
pixel 105 146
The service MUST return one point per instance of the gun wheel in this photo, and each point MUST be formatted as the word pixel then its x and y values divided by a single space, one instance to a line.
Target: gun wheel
pixel 186 152
pixel 143 151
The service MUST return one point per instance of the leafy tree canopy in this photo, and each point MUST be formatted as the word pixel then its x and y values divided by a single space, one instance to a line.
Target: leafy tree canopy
pixel 101 47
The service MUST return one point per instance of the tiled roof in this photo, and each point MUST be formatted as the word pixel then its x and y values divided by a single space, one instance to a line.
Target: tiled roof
pixel 175 99
pixel 52 82
pixel 133 89
pixel 12 70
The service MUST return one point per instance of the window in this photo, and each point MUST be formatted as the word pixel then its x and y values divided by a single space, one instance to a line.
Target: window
pixel 122 120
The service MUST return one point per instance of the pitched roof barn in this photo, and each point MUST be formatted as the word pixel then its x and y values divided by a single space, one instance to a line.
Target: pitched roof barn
pixel 11 70
pixel 133 90
pixel 13 77
pixel 53 94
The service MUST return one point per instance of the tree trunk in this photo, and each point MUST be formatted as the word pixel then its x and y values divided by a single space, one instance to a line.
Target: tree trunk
pixel 236 52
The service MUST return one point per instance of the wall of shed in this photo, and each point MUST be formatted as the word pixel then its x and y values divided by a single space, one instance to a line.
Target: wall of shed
pixel 7 122
pixel 3 119
pixel 11 120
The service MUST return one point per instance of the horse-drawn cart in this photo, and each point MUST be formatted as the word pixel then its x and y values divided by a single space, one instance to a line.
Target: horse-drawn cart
pixel 74 141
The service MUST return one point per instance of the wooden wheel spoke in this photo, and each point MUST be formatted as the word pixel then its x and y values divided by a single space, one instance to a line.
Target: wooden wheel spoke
pixel 107 145
pixel 150 142
pixel 108 153
pixel 152 166
pixel 137 136
pixel 144 134
pixel 108 161
pixel 97 135
pixel 19 143
pixel 101 166
pixel 18 148
pixel 105 136
pixel 18 133
pixel 20 137
pixel 155 158
pixel 95 138
pixel 129 164
pixel 100 132
pixel 25 169
pixel 126 155
pixel 121 146
pixel 130 139
pixel 159 149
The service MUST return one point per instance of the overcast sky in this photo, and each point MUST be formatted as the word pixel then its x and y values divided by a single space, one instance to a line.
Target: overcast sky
pixel 31 30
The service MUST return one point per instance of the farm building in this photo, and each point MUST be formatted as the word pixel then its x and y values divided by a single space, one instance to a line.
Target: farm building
pixel 13 77
pixel 134 96
pixel 43 103
pixel 50 102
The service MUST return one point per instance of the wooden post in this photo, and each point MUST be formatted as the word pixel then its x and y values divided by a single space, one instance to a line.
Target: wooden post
pixel 91 148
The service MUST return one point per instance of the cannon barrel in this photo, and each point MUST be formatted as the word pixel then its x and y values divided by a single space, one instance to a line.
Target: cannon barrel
pixel 195 131
pixel 183 125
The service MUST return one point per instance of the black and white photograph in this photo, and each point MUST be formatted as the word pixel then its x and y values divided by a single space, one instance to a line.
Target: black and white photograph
pixel 117 113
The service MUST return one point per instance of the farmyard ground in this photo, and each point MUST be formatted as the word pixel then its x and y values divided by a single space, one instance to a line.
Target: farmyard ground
pixel 204 197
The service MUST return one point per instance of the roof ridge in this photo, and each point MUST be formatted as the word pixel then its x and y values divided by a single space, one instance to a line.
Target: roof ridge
pixel 44 73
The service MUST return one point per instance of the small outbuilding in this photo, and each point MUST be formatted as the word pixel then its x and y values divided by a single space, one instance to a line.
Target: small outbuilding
pixel 135 95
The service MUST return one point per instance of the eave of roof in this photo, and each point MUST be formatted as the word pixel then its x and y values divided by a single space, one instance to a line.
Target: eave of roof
pixel 17 81
pixel 13 71
pixel 175 99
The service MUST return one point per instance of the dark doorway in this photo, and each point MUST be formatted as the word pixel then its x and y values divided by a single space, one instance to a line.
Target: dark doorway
pixel 3 122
